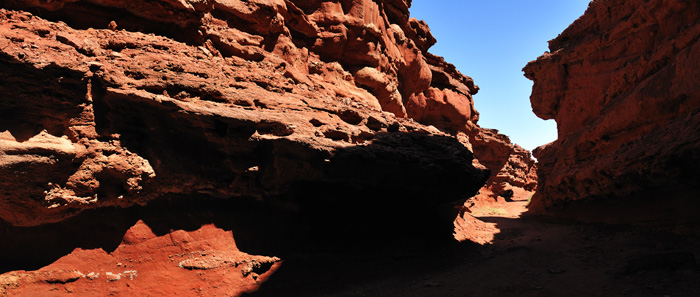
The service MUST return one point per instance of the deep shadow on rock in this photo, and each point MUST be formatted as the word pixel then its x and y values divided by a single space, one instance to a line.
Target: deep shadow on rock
pixel 413 185
pixel 340 249
pixel 303 127
pixel 238 111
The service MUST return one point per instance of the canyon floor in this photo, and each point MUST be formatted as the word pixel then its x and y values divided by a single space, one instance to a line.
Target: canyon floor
pixel 528 256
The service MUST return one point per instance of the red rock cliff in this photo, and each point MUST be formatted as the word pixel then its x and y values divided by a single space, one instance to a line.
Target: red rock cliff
pixel 126 102
pixel 325 111
pixel 622 84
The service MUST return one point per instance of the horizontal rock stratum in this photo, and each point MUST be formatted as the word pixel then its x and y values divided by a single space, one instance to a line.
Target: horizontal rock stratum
pixel 115 104
pixel 622 84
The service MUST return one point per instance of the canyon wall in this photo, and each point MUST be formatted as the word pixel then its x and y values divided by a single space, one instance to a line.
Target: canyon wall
pixel 622 84
pixel 323 118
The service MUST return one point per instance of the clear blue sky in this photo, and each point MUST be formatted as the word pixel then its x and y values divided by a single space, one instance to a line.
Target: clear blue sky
pixel 491 41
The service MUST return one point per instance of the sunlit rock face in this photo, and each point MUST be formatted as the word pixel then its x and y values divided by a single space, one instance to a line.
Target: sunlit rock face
pixel 108 103
pixel 198 262
pixel 325 111
pixel 621 82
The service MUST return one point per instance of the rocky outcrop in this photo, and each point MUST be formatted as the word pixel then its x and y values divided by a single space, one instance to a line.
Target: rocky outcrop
pixel 200 262
pixel 621 83
pixel 516 170
pixel 331 113
pixel 113 118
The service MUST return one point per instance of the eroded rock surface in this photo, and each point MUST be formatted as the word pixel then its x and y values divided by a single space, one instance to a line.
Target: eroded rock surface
pixel 139 115
pixel 203 262
pixel 621 82
pixel 516 176
pixel 332 112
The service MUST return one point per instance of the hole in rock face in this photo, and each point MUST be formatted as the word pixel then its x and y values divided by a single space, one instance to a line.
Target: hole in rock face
pixel 350 116
pixel 375 123
pixel 316 123
pixel 111 184
pixel 20 131
pixel 259 103
pixel 336 135
pixel 394 127
pixel 36 99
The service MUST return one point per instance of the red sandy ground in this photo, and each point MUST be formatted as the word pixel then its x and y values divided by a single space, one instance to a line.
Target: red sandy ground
pixel 525 256
pixel 528 256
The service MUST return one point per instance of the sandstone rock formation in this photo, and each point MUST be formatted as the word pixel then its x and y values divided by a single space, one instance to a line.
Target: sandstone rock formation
pixel 204 262
pixel 517 170
pixel 123 117
pixel 621 83
pixel 332 111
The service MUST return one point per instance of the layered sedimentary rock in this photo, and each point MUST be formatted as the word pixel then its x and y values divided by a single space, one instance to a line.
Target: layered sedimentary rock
pixel 100 112
pixel 101 117
pixel 332 113
pixel 513 171
pixel 622 84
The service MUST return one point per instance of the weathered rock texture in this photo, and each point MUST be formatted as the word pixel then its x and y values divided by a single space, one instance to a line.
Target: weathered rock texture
pixel 98 117
pixel 515 174
pixel 622 84
pixel 204 262
pixel 331 110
